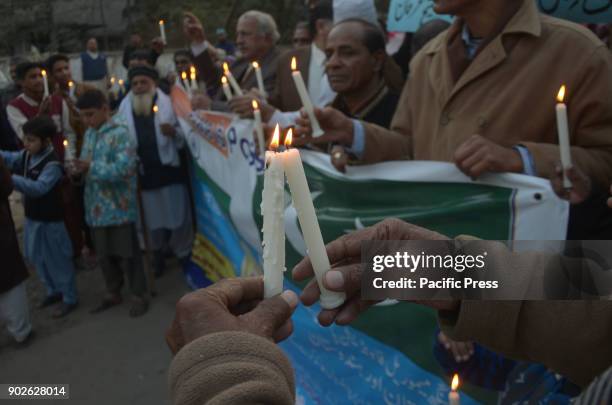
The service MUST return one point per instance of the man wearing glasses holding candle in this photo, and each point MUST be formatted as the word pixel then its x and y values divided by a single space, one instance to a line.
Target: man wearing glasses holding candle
pixel 482 95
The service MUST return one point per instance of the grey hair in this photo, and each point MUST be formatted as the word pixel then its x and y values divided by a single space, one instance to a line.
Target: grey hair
pixel 265 23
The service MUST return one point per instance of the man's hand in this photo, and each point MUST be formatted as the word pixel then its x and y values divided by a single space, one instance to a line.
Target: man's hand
pixel 157 44
pixel 168 130
pixel 461 351
pixel 200 101
pixel 339 158
pixel 338 128
pixel 81 166
pixel 45 107
pixel 345 276
pixel 479 155
pixel 581 184
pixel 193 29
pixel 242 105
pixel 232 305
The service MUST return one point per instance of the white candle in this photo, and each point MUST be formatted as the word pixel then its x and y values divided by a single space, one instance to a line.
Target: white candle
pixel 185 83
pixel 232 80
pixel 272 209
pixel 121 86
pixel 46 83
pixel 194 81
pixel 563 132
pixel 260 82
pixel 305 97
pixel 302 201
pixel 259 126
pixel 453 396
pixel 226 88
pixel 162 30
pixel 114 89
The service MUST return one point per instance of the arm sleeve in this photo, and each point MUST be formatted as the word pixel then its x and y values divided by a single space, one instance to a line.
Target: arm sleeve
pixel 231 368
pixel 11 159
pixel 51 174
pixel 123 165
pixel 205 65
pixel 590 123
pixel 16 119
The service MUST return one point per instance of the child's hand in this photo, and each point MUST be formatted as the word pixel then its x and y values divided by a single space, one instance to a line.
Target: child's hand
pixel 581 184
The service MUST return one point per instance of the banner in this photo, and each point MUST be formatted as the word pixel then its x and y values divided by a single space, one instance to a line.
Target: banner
pixel 409 15
pixel 386 356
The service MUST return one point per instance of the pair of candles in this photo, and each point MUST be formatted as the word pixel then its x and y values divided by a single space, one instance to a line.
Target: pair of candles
pixel 228 80
pixel 289 163
pixel 117 85
pixel 190 84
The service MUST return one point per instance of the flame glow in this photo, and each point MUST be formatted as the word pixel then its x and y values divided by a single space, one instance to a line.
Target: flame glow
pixel 455 382
pixel 121 82
pixel 293 63
pixel 44 72
pixel 275 138
pixel 155 109
pixel 161 22
pixel 113 80
pixel 289 138
pixel 226 68
pixel 255 65
pixel 561 94
pixel 193 75
pixel 70 83
pixel 65 143
pixel 192 70
pixel 184 75
pixel 255 105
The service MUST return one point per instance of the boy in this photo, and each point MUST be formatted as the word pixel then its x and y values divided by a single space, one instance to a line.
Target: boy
pixel 108 166
pixel 37 173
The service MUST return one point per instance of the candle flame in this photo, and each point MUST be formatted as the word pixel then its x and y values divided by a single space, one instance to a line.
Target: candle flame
pixel 193 75
pixel 289 138
pixel 65 143
pixel 255 65
pixel 184 75
pixel 192 69
pixel 70 83
pixel 113 80
pixel 224 80
pixel 293 63
pixel 155 109
pixel 226 68
pixel 561 95
pixel 121 82
pixel 44 72
pixel 275 137
pixel 161 22
pixel 255 105
pixel 455 382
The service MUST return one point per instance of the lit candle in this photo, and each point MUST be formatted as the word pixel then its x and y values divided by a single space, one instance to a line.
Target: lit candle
pixel 121 86
pixel 226 88
pixel 46 84
pixel 272 209
pixel 155 109
pixel 194 82
pixel 70 84
pixel 259 126
pixel 260 82
pixel 302 201
pixel 305 97
pixel 162 30
pixel 114 88
pixel 563 132
pixel 232 80
pixel 185 83
pixel 453 396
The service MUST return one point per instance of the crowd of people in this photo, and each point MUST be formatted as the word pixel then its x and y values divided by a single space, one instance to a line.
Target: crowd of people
pixel 103 173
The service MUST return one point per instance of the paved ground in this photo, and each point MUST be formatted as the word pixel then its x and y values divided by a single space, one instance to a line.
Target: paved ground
pixel 108 358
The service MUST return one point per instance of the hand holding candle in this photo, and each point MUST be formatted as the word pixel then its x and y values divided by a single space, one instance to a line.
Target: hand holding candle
pixel 232 80
pixel 305 98
pixel 273 209
pixel 302 201
pixel 563 133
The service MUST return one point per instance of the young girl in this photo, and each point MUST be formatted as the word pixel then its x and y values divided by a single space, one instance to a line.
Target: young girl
pixel 37 173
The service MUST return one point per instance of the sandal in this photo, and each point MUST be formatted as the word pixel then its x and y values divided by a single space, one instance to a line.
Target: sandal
pixel 106 304
pixel 139 307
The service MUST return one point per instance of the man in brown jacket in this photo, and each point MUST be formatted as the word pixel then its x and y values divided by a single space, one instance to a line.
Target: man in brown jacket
pixel 482 95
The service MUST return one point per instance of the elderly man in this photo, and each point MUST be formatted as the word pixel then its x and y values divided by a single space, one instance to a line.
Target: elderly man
pixel 466 100
pixel 256 40
pixel 165 201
